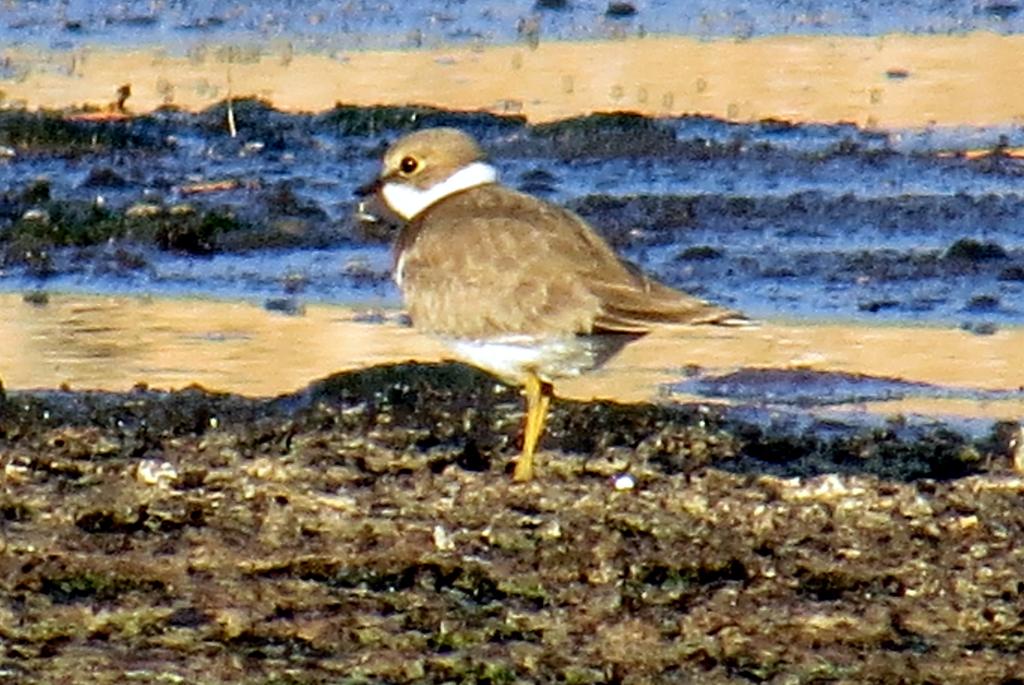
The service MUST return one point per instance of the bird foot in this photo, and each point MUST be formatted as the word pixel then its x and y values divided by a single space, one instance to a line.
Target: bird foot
pixel 524 469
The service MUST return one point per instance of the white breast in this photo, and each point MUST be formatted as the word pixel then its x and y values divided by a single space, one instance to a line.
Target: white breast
pixel 510 357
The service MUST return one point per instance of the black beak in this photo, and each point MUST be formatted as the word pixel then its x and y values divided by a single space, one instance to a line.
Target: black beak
pixel 370 188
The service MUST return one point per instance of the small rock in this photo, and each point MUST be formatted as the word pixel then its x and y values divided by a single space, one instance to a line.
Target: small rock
pixel 827 488
pixel 550 530
pixel 442 541
pixel 620 10
pixel 971 250
pixel 143 210
pixel 538 176
pixel 36 298
pixel 37 191
pixel 874 306
pixel 104 177
pixel 363 274
pixel 156 472
pixel 294 282
pixel 1012 273
pixel 129 260
pixel 1002 10
pixel 699 253
pixel 537 181
pixel 36 214
pixel 285 305
pixel 980 328
pixel 624 481
pixel 373 316
pixel 1008 439
pixel 983 303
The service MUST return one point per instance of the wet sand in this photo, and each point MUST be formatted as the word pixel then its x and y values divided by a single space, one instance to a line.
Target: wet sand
pixel 113 343
pixel 890 81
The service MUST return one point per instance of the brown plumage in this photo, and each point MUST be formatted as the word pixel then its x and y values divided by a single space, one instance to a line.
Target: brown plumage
pixel 516 285
pixel 491 261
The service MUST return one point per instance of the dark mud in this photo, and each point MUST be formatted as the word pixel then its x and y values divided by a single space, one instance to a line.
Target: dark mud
pixel 810 388
pixel 366 530
pixel 818 221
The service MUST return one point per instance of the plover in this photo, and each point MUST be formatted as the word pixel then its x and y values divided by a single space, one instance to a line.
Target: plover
pixel 513 284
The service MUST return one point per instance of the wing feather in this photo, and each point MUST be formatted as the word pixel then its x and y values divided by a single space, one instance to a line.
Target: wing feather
pixel 491 261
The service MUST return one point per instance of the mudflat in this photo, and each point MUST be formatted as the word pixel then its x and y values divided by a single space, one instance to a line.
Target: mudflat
pixel 366 530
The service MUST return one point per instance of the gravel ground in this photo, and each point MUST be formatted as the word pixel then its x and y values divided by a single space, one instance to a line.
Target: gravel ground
pixel 366 530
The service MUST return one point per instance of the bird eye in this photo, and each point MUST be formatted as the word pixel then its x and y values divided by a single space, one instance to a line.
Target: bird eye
pixel 408 165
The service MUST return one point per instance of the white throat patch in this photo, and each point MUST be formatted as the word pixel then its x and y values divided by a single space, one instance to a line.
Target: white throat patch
pixel 408 201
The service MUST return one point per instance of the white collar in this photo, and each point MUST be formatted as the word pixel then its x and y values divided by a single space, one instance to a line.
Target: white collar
pixel 408 200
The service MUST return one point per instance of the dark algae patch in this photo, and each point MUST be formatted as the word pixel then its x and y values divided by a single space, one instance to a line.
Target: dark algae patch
pixel 354 120
pixel 61 133
pixel 56 224
pixel 365 530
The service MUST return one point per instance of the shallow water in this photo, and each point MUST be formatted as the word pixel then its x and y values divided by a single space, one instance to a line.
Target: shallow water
pixel 113 343
pixel 787 221
pixel 377 24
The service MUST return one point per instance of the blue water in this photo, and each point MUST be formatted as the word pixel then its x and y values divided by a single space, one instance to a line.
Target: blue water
pixel 813 221
pixel 331 25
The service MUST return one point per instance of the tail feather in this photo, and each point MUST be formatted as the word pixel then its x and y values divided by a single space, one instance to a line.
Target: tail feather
pixel 638 309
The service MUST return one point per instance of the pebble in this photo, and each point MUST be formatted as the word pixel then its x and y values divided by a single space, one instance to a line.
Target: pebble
pixel 624 481
pixel 156 472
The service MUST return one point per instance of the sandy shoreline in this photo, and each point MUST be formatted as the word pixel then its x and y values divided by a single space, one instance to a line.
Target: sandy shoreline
pixel 112 343
pixel 892 81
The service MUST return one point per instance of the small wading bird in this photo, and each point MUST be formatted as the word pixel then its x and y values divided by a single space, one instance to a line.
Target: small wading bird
pixel 513 284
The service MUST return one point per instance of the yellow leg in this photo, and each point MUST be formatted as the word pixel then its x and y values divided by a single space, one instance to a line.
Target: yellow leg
pixel 538 399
